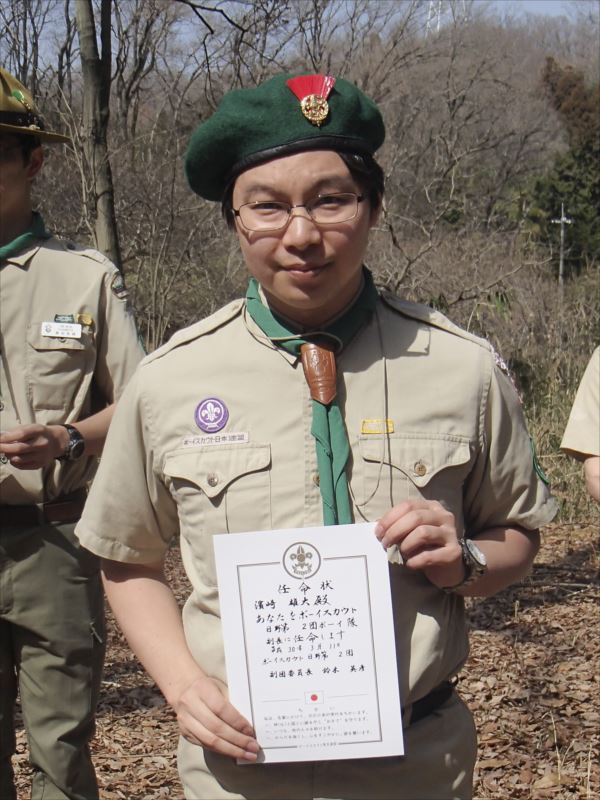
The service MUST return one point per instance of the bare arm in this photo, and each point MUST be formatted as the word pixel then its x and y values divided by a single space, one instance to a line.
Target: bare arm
pixel 509 553
pixel 426 536
pixel 591 468
pixel 35 446
pixel 149 617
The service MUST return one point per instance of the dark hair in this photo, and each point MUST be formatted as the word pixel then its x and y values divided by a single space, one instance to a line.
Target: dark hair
pixel 362 166
pixel 28 144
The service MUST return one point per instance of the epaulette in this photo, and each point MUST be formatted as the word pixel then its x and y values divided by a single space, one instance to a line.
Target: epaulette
pixel 198 329
pixel 82 250
pixel 430 316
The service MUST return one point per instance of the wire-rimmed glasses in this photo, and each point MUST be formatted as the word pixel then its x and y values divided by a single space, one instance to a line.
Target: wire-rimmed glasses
pixel 325 209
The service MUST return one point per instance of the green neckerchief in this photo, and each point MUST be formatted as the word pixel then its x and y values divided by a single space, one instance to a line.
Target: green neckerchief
pixel 328 429
pixel 36 231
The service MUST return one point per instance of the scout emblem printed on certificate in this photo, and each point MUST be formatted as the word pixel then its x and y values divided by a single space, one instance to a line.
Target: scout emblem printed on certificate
pixel 309 641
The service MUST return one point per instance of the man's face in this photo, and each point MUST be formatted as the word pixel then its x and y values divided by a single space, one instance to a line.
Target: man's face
pixel 16 175
pixel 309 272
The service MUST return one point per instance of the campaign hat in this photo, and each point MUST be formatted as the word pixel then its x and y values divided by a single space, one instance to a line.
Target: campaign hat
pixel 18 112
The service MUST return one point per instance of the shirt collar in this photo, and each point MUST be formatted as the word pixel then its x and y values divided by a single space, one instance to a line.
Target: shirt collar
pixel 23 258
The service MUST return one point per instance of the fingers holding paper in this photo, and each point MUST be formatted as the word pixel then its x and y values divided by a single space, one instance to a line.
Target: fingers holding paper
pixel 208 719
pixel 427 539
pixel 149 616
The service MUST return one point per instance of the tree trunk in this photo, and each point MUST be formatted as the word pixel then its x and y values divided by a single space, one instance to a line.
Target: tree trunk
pixel 96 111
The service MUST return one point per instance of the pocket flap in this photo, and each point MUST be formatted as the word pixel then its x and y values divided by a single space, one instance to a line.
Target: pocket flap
pixel 213 468
pixel 418 456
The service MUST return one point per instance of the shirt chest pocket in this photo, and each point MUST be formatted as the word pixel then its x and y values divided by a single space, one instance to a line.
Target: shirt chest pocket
pixel 219 490
pixel 409 466
pixel 58 371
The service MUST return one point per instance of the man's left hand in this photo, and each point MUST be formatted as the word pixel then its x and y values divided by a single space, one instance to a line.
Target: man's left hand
pixel 426 536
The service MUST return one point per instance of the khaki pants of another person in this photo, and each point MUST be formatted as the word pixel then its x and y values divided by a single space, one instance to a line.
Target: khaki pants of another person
pixel 52 648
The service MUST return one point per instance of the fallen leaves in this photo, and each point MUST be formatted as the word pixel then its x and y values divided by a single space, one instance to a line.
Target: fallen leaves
pixel 531 680
pixel 532 677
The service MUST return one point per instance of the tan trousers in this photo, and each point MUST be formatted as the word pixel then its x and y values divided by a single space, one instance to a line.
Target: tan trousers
pixel 52 649
pixel 438 765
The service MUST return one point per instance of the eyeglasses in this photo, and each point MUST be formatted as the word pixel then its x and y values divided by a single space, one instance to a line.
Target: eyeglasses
pixel 326 209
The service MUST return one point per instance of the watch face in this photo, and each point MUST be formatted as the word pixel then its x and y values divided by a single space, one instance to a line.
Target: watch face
pixel 76 444
pixel 76 450
pixel 475 553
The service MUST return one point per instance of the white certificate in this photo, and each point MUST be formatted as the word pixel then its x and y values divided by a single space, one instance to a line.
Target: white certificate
pixel 309 641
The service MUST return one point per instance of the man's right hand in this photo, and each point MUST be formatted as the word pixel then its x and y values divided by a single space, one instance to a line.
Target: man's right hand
pixel 206 718
pixel 150 618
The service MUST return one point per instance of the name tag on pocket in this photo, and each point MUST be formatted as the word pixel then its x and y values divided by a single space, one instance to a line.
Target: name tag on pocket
pixel 61 330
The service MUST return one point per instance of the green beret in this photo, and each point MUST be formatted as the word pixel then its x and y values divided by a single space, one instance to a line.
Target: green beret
pixel 251 126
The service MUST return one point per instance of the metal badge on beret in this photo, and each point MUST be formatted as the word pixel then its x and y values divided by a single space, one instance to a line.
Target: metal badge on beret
pixel 254 125
pixel 313 91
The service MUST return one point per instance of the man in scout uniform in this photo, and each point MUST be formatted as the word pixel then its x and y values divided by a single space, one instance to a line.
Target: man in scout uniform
pixel 581 438
pixel 68 346
pixel 314 400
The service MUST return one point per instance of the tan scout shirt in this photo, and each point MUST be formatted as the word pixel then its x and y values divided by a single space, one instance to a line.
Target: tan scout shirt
pixel 456 434
pixel 49 379
pixel 582 434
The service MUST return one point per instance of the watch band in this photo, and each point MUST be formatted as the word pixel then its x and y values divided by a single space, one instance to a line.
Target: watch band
pixel 474 562
pixel 75 446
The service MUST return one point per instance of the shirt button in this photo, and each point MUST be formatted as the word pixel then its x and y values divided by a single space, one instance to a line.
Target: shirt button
pixel 212 479
pixel 420 469
pixel 316 480
pixel 3 459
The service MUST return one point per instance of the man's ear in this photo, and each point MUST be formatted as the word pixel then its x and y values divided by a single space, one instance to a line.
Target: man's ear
pixel 36 159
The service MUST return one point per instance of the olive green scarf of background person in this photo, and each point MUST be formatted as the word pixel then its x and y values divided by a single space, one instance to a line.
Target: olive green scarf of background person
pixel 328 429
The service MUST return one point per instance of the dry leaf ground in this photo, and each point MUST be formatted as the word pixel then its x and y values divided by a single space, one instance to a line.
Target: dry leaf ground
pixel 532 682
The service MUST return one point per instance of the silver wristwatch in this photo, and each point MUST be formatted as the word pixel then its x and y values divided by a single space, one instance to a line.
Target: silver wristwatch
pixel 75 446
pixel 475 564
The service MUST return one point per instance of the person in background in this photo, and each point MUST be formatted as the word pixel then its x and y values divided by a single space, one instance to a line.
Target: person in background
pixel 317 399
pixel 68 346
pixel 581 438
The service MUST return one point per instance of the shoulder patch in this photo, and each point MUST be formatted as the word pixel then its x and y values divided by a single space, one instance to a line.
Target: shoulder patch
pixel 117 286
pixel 201 328
pixel 504 368
pixel 430 316
pixel 536 464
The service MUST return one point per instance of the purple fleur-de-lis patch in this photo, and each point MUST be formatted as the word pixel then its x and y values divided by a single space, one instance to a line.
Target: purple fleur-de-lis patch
pixel 211 415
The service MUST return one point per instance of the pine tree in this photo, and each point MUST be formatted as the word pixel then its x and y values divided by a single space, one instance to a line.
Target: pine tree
pixel 574 178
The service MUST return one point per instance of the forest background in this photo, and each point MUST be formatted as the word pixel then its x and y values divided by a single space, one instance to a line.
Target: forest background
pixel 493 131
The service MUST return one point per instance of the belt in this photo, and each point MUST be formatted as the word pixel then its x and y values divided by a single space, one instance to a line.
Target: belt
pixel 66 508
pixel 426 705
